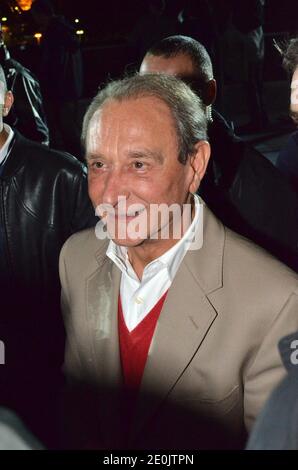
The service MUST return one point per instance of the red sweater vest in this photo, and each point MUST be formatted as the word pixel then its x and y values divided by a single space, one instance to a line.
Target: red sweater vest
pixel 134 345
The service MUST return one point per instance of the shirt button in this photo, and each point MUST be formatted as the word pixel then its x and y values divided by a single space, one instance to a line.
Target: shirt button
pixel 139 300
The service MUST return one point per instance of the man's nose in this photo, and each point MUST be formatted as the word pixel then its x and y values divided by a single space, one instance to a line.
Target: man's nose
pixel 115 185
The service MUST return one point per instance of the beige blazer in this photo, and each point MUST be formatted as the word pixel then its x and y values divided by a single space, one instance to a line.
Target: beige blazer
pixel 215 345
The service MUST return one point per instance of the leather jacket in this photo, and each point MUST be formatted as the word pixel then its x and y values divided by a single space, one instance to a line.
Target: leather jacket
pixel 27 114
pixel 43 200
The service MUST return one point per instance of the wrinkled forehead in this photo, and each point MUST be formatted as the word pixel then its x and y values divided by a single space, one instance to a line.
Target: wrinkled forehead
pixel 131 119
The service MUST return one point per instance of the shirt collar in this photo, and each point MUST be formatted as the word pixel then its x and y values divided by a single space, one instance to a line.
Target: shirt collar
pixel 5 148
pixel 171 259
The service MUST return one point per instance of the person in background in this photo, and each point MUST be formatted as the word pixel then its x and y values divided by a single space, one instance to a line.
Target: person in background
pixel 188 59
pixel 287 161
pixel 61 76
pixel 27 113
pixel 43 200
pixel 13 433
pixel 247 22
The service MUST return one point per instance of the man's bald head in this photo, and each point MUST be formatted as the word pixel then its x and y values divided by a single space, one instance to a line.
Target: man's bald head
pixel 185 58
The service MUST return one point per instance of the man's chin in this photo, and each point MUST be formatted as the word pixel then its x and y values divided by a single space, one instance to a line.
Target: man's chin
pixel 128 242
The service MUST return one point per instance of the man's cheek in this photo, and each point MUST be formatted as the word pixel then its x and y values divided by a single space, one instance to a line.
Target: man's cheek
pixel 93 195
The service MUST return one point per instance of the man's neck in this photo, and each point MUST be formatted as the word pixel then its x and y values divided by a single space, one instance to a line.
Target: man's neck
pixel 141 255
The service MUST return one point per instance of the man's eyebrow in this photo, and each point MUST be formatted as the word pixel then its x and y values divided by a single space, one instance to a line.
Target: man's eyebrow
pixel 142 153
pixel 93 156
pixel 146 153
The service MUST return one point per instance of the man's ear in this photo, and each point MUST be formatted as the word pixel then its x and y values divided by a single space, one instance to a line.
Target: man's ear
pixel 210 91
pixel 198 162
pixel 8 102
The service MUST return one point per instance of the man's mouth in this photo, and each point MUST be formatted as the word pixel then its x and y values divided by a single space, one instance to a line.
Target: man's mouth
pixel 106 211
pixel 128 214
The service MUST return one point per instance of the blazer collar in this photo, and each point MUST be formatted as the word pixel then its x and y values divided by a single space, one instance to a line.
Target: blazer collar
pixel 206 264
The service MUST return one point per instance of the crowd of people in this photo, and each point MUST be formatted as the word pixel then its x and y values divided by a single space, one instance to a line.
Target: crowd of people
pixel 116 336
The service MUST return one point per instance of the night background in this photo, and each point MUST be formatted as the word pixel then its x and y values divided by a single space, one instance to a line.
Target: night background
pixel 54 61
pixel 114 33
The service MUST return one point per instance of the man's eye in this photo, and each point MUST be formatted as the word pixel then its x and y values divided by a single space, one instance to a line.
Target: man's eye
pixel 97 165
pixel 139 165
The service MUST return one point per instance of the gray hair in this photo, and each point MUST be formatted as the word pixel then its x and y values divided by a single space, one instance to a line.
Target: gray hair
pixel 185 106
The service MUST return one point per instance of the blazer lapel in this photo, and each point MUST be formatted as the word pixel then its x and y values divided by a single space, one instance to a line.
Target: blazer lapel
pixel 185 320
pixel 102 290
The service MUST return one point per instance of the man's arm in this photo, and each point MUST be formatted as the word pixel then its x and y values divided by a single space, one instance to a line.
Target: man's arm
pixel 266 370
pixel 71 357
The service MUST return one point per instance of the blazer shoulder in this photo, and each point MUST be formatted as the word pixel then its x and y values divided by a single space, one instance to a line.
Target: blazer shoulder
pixel 80 251
pixel 84 242
pixel 256 267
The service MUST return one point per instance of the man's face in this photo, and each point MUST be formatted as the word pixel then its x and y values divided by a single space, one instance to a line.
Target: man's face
pixel 294 96
pixel 132 151
pixel 179 66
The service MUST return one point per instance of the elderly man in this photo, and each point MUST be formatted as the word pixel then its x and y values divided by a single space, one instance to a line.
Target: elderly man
pixel 43 201
pixel 186 330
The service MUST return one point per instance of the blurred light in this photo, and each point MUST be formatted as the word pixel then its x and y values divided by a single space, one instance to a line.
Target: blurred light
pixel 38 37
pixel 79 32
pixel 77 20
pixel 4 19
pixel 25 5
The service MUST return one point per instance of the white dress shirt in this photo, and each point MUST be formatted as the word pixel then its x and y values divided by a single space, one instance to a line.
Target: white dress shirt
pixel 5 147
pixel 138 297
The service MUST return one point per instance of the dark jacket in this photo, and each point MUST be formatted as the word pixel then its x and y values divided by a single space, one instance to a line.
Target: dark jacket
pixel 266 207
pixel 287 161
pixel 43 200
pixel 27 113
pixel 249 195
pixel 61 69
